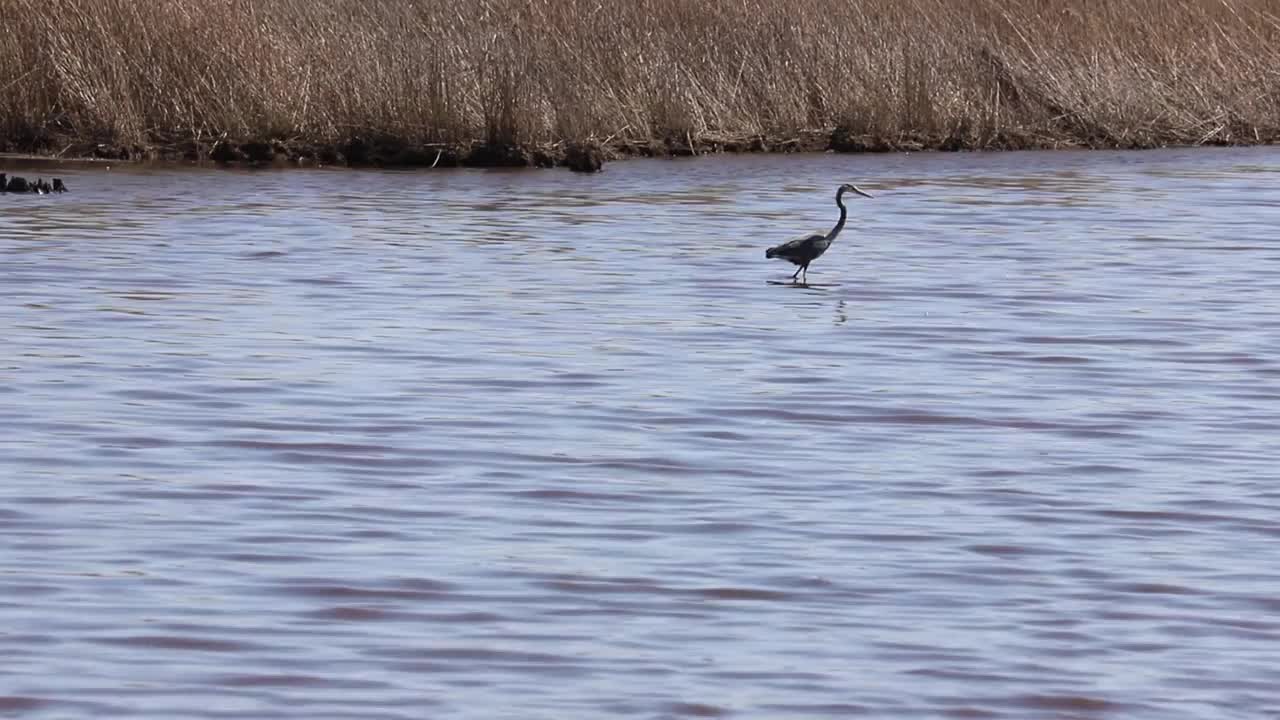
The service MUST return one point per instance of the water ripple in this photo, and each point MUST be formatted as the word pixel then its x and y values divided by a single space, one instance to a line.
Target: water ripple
pixel 484 444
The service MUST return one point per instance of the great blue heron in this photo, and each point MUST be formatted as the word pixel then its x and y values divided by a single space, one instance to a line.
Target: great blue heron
pixel 804 250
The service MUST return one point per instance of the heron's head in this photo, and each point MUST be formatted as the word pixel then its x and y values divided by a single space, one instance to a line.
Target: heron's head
pixel 847 187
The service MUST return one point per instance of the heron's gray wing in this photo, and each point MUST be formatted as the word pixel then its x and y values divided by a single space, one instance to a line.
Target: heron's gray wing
pixel 795 243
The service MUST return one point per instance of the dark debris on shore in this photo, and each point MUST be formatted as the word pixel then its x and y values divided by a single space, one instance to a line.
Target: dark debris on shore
pixel 18 184
pixel 580 156
pixel 587 156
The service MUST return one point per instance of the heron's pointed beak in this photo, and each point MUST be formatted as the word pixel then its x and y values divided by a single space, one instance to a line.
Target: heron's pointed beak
pixel 863 194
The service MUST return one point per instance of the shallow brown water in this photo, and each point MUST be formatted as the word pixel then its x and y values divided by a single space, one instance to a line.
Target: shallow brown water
pixel 474 444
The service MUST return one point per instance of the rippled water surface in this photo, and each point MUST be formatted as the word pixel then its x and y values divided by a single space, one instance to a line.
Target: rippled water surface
pixel 468 444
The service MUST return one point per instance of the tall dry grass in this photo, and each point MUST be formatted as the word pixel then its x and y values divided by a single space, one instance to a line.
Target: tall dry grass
pixel 452 73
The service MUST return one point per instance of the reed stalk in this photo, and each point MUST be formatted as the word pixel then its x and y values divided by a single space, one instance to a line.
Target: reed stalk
pixel 505 80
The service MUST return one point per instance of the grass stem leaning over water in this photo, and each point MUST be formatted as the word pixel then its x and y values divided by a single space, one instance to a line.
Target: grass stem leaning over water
pixel 516 81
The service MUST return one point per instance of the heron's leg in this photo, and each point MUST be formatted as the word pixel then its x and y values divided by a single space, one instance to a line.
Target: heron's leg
pixel 805 277
pixel 797 273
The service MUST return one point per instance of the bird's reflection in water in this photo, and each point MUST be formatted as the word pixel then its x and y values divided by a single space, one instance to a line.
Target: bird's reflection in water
pixel 817 287
pixel 841 316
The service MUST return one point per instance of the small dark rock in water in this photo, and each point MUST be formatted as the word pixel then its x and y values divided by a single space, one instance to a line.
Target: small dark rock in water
pixel 58 186
pixel 584 157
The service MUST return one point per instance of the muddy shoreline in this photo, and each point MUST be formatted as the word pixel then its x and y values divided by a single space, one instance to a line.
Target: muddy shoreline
pixel 583 156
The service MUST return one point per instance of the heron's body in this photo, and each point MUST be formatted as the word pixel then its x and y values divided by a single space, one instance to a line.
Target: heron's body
pixel 804 250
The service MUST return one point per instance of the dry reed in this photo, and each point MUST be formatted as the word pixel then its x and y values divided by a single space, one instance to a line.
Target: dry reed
pixel 495 80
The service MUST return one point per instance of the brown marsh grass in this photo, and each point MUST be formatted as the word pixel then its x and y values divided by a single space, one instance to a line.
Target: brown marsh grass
pixel 494 78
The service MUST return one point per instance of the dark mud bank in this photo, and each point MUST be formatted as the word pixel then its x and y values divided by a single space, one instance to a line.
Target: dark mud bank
pixel 581 156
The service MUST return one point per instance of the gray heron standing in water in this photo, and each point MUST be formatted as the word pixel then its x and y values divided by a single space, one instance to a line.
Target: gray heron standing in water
pixel 804 250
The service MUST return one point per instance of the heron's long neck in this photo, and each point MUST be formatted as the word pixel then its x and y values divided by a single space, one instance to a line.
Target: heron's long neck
pixel 844 213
